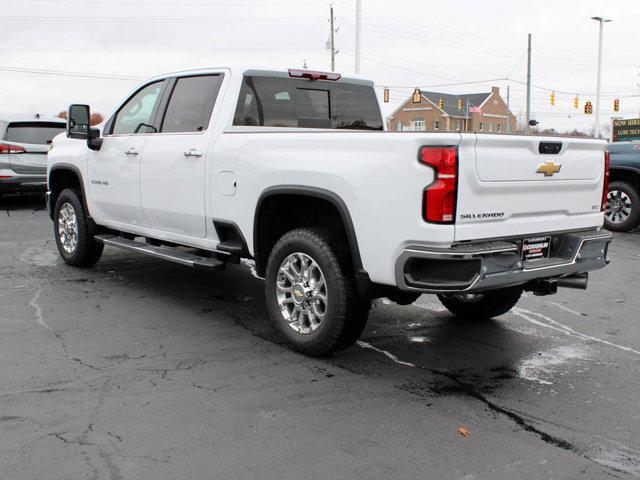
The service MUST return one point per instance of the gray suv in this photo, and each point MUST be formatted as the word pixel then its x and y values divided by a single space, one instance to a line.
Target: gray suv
pixel 24 143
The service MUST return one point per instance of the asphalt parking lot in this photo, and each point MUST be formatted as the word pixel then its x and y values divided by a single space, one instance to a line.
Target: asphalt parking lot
pixel 141 369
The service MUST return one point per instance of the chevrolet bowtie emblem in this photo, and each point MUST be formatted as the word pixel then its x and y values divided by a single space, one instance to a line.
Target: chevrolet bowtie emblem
pixel 549 168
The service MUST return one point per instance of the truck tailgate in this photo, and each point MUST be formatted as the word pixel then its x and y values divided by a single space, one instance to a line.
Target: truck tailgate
pixel 521 185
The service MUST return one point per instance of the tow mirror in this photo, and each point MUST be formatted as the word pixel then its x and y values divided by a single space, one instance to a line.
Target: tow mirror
pixel 78 122
pixel 79 126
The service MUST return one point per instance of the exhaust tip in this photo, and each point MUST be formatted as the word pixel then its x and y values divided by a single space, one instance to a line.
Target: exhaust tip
pixel 578 281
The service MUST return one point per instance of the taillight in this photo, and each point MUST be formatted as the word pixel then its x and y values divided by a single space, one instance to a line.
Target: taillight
pixel 4 148
pixel 439 198
pixel 605 185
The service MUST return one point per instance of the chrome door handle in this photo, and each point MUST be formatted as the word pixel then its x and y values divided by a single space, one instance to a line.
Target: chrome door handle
pixel 192 153
pixel 132 151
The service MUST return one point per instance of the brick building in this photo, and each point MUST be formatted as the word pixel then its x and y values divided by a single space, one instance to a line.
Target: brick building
pixel 481 112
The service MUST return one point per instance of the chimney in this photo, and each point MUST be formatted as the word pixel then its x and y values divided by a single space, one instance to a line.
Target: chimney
pixel 495 90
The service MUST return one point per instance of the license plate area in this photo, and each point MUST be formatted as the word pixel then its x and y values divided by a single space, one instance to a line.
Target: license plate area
pixel 536 248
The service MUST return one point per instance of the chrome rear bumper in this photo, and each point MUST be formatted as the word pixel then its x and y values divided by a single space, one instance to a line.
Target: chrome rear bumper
pixel 497 264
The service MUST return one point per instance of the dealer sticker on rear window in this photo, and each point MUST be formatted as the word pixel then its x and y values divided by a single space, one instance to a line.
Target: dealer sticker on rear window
pixel 535 248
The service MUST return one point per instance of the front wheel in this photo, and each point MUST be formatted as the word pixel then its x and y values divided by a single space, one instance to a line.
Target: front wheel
pixel 482 306
pixel 311 292
pixel 73 234
pixel 622 212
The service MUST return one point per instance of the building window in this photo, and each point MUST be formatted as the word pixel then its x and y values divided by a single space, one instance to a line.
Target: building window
pixel 499 128
pixel 436 125
pixel 399 127
pixel 491 127
pixel 480 126
pixel 418 125
pixel 458 125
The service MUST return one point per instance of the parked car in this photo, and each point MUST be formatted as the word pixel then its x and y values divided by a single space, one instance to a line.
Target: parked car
pixel 622 212
pixel 24 143
pixel 292 168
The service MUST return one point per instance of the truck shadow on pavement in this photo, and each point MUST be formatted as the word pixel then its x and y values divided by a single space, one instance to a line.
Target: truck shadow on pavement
pixel 457 352
pixel 10 202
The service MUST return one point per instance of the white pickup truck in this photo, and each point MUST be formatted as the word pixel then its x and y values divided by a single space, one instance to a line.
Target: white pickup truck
pixel 293 169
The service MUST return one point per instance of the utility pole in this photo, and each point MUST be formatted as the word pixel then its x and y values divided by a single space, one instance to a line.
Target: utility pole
pixel 596 127
pixel 508 129
pixel 358 33
pixel 332 39
pixel 528 107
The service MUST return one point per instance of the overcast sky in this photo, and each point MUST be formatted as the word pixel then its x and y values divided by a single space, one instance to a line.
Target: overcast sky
pixel 406 43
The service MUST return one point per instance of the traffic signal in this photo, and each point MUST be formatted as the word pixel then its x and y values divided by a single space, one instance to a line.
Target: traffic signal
pixel 440 103
pixel 552 98
pixel 616 105
pixel 576 102
pixel 588 108
pixel 386 95
pixel 459 104
pixel 417 96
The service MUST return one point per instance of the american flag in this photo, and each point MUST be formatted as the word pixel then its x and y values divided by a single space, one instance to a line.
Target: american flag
pixel 474 109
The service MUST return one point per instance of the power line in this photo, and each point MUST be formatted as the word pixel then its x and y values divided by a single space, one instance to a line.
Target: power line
pixel 185 4
pixel 161 20
pixel 68 74
pixel 145 50
pixel 490 39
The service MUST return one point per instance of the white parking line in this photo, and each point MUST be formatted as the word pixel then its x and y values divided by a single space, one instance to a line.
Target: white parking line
pixel 384 352
pixel 555 325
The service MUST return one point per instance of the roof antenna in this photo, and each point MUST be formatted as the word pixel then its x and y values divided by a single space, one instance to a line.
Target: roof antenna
pixel 304 64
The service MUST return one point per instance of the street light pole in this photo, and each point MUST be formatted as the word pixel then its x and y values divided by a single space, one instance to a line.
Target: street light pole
pixel 358 34
pixel 596 127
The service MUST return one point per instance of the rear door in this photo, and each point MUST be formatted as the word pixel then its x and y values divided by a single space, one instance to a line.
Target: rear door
pixel 174 159
pixel 33 140
pixel 519 185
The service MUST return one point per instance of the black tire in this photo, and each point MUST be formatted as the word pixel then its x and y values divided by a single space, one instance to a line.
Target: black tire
pixel 346 312
pixel 87 251
pixel 484 305
pixel 624 196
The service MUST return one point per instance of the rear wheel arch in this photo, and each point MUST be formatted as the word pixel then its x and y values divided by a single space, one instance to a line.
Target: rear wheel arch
pixel 63 176
pixel 327 210
pixel 625 174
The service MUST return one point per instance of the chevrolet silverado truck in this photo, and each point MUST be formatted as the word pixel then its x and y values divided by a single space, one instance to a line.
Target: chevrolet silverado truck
pixel 293 169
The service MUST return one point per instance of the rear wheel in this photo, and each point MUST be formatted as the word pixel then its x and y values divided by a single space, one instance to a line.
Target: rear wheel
pixel 72 231
pixel 311 292
pixel 622 212
pixel 482 306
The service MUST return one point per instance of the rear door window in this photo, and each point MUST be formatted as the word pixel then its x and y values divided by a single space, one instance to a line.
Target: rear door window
pixel 36 133
pixel 287 102
pixel 191 104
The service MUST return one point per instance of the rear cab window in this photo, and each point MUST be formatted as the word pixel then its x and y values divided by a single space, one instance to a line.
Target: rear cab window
pixel 268 101
pixel 34 133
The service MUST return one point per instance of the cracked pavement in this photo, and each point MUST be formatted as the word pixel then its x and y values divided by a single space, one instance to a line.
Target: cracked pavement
pixel 141 369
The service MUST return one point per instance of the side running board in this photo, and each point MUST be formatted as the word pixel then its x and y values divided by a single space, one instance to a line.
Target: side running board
pixel 167 253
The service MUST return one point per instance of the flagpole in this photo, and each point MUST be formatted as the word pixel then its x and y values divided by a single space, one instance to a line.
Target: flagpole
pixel 466 121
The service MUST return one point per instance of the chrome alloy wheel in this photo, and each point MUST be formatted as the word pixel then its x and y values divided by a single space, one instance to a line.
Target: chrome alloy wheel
pixel 618 206
pixel 68 227
pixel 301 291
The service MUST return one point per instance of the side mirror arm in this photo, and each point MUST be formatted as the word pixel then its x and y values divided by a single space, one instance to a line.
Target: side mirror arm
pixel 94 142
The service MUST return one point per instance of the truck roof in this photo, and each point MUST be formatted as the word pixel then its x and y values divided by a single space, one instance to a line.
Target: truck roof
pixel 16 117
pixel 256 69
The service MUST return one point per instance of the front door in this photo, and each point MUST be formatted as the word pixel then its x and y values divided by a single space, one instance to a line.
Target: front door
pixel 114 170
pixel 174 160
